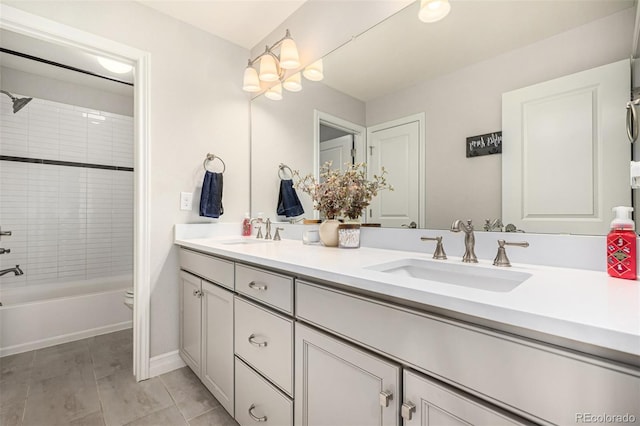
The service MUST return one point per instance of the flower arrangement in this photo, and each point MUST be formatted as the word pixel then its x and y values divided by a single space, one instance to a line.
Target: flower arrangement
pixel 339 192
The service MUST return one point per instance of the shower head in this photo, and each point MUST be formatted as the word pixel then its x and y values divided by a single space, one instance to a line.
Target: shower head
pixel 18 103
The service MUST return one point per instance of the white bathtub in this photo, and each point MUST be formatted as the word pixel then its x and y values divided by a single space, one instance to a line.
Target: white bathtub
pixel 35 317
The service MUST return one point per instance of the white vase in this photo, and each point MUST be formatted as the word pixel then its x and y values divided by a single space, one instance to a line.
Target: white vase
pixel 329 232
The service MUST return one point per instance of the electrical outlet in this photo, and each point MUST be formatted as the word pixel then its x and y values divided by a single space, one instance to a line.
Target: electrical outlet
pixel 186 200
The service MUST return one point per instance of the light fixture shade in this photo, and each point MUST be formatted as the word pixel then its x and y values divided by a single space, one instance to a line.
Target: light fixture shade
pixel 289 54
pixel 293 83
pixel 114 66
pixel 433 10
pixel 268 68
pixel 250 83
pixel 314 72
pixel 274 93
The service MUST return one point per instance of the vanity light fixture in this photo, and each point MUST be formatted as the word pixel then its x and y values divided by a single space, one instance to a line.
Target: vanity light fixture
pixel 271 66
pixel 293 83
pixel 315 71
pixel 274 93
pixel 114 66
pixel 433 10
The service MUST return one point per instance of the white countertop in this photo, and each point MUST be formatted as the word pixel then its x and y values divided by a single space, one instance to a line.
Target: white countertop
pixel 584 306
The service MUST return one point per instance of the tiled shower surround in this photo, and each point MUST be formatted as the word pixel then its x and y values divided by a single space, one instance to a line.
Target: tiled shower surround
pixel 70 221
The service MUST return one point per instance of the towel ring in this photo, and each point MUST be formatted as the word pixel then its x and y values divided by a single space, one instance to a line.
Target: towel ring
pixel 281 170
pixel 211 157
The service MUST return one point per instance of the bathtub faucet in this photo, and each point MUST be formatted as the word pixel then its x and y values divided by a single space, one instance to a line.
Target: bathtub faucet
pixel 17 271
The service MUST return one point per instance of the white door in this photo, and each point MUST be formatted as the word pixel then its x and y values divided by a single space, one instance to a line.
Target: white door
pixel 190 316
pixel 217 343
pixel 565 155
pixel 396 146
pixel 338 384
pixel 338 151
pixel 428 403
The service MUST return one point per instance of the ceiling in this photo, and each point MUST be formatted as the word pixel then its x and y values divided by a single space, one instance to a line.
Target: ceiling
pixel 402 51
pixel 242 22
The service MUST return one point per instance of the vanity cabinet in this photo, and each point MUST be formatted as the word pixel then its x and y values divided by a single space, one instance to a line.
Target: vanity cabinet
pixel 190 319
pixel 340 384
pixel 332 357
pixel 206 325
pixel 539 382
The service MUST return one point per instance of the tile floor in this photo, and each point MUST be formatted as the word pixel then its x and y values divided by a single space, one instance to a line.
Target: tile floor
pixel 90 382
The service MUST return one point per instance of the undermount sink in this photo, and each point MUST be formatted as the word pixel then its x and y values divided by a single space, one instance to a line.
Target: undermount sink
pixel 465 275
pixel 244 241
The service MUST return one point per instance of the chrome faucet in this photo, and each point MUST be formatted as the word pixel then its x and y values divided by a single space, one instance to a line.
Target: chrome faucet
pixel 469 255
pixel 267 235
pixel 17 271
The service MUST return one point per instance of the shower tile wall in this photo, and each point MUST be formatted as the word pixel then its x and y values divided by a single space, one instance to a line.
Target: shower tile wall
pixel 69 223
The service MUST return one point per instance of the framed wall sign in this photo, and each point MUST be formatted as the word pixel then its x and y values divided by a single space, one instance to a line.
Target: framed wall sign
pixel 490 143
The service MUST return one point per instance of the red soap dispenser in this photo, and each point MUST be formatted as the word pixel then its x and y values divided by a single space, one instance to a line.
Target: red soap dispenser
pixel 621 245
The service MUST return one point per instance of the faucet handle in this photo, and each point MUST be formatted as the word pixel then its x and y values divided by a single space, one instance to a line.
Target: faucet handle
pixel 276 237
pixel 259 235
pixel 501 258
pixel 439 253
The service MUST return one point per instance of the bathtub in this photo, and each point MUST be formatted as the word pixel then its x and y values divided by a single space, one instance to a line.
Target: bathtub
pixel 37 316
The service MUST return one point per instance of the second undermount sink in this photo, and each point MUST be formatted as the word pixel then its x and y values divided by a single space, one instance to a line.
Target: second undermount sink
pixel 465 275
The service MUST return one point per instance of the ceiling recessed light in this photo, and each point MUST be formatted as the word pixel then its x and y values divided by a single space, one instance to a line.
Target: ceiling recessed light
pixel 114 66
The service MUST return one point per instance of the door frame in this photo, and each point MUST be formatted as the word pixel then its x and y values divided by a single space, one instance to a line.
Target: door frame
pixel 422 157
pixel 359 140
pixel 35 26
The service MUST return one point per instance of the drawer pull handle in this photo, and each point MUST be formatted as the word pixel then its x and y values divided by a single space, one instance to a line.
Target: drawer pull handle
pixel 254 417
pixel 385 397
pixel 255 286
pixel 408 408
pixel 254 343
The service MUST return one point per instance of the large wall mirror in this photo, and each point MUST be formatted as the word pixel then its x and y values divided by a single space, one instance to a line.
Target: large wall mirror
pixel 449 79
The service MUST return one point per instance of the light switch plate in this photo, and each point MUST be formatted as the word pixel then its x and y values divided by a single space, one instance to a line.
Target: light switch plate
pixel 186 200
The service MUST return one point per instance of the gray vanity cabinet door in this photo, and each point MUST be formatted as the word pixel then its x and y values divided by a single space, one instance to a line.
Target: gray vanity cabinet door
pixel 429 403
pixel 217 343
pixel 338 384
pixel 190 314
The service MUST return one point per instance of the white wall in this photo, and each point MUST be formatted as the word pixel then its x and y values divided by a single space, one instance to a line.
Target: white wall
pixel 468 102
pixel 197 106
pixel 290 119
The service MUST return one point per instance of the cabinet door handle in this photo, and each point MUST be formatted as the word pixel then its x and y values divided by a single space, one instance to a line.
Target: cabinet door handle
pixel 254 417
pixel 255 286
pixel 385 397
pixel 254 343
pixel 197 293
pixel 407 410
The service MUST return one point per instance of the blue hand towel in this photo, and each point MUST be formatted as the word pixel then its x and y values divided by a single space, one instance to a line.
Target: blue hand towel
pixel 288 202
pixel 211 197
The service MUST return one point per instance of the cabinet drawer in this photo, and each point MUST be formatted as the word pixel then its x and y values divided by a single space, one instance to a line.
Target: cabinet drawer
pixel 273 289
pixel 541 381
pixel 259 401
pixel 265 341
pixel 213 269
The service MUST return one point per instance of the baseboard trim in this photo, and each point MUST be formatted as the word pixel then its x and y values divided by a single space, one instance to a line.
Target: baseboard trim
pixel 165 363
pixel 64 338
